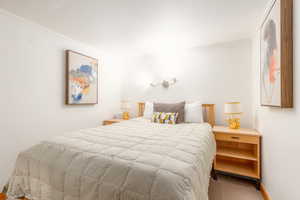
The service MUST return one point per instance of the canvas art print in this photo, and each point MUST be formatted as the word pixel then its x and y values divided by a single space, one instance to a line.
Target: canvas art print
pixel 276 65
pixel 82 79
pixel 270 58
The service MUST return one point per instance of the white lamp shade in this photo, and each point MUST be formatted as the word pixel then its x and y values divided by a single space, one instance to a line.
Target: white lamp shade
pixel 125 106
pixel 232 108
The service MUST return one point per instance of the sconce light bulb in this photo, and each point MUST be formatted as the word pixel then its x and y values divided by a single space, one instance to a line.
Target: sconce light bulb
pixel 165 84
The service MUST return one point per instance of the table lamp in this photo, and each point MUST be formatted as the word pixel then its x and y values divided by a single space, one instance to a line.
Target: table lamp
pixel 125 108
pixel 233 111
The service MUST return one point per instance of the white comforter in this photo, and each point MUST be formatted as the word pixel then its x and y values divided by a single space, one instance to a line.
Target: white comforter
pixel 132 160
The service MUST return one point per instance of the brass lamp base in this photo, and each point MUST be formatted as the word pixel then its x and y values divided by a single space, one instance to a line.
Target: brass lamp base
pixel 125 115
pixel 234 123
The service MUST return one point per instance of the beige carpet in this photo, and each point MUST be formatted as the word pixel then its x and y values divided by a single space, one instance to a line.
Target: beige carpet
pixel 227 188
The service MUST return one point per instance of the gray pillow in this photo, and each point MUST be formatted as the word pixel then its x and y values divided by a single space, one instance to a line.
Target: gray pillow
pixel 171 107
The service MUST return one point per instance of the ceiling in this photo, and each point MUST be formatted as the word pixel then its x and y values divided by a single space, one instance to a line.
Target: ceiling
pixel 144 23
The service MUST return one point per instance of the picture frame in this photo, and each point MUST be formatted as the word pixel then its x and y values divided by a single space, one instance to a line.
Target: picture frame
pixel 81 79
pixel 276 55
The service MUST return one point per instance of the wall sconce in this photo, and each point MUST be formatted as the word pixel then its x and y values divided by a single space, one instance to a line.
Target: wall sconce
pixel 165 83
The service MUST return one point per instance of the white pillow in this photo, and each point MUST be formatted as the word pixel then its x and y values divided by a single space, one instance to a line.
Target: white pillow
pixel 193 113
pixel 148 111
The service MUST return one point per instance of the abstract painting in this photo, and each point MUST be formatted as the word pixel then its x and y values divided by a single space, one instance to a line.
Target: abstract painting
pixel 82 79
pixel 276 77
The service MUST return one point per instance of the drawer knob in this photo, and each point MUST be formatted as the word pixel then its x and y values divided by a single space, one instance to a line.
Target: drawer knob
pixel 235 137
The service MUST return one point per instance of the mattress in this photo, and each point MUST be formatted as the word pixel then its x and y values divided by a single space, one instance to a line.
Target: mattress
pixel 131 160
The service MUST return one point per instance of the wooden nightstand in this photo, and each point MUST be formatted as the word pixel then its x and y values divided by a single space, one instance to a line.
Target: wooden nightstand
pixel 2 196
pixel 238 153
pixel 111 121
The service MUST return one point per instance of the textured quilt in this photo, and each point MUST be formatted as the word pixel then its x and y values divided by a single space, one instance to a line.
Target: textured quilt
pixel 131 160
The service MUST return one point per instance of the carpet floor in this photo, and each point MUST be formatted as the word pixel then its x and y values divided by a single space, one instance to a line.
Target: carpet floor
pixel 227 188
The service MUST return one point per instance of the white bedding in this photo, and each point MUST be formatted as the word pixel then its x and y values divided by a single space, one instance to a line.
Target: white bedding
pixel 131 160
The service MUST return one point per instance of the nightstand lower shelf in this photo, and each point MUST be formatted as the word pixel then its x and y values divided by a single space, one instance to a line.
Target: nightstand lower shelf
pixel 237 150
pixel 236 166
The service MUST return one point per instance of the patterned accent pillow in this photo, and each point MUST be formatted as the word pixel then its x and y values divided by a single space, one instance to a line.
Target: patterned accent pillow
pixel 171 108
pixel 164 118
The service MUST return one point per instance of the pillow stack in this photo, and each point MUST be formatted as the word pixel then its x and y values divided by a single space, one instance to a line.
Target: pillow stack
pixel 168 112
pixel 171 108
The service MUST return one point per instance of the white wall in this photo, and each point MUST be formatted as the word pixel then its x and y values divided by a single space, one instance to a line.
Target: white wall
pixel 280 130
pixel 33 77
pixel 212 74
pixel 32 63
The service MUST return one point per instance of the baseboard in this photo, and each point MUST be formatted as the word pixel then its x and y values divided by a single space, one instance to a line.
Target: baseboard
pixel 264 192
pixel 2 196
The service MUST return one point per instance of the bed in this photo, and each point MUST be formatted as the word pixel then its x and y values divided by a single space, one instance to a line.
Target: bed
pixel 131 160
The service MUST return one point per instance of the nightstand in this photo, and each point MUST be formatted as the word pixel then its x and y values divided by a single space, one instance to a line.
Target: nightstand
pixel 111 121
pixel 238 153
pixel 2 196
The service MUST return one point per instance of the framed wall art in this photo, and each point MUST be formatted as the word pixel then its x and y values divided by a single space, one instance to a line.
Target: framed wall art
pixel 82 79
pixel 276 53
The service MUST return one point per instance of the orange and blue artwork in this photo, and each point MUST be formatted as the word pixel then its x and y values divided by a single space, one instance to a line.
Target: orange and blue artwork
pixel 82 79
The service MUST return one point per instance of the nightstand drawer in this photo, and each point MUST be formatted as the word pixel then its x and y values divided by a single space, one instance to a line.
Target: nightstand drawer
pixel 237 138
pixel 108 123
pixel 111 121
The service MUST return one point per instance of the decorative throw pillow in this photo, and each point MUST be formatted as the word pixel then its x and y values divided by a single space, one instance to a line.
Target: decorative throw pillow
pixel 164 118
pixel 193 113
pixel 171 108
pixel 148 111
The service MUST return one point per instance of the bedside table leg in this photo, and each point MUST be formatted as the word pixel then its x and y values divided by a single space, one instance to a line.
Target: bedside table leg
pixel 213 174
pixel 257 184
